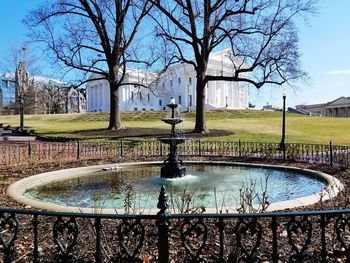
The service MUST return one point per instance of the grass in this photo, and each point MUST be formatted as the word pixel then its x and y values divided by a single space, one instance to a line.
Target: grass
pixel 247 125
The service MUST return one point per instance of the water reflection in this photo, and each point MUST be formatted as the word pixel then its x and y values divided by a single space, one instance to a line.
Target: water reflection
pixel 207 185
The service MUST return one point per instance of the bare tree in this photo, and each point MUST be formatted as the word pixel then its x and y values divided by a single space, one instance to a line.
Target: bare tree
pixel 26 93
pixel 21 64
pixel 94 37
pixel 261 36
pixel 17 53
pixel 56 97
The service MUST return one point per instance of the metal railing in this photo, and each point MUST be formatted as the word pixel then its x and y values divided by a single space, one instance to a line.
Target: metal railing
pixel 69 151
pixel 37 236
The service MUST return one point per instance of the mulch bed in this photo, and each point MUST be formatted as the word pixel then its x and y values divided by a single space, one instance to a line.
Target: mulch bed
pixel 86 250
pixel 148 132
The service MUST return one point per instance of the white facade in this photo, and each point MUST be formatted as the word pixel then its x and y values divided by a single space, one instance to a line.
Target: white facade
pixel 76 101
pixel 178 82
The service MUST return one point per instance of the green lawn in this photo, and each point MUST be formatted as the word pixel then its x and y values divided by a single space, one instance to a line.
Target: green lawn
pixel 245 124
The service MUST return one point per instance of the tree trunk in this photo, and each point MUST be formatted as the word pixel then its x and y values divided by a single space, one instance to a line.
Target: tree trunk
pixel 114 115
pixel 21 118
pixel 200 126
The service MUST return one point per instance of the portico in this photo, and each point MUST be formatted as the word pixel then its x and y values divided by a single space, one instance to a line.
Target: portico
pixel 337 108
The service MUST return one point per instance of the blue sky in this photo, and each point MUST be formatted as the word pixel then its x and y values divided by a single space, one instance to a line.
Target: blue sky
pixel 324 43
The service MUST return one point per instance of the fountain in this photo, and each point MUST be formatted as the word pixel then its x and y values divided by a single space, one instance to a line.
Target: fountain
pixel 173 166
pixel 86 189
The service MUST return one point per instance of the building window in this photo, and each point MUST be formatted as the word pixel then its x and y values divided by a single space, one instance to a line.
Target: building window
pixel 148 97
pixel 160 102
pixel 132 96
pixel 189 81
pixel 179 99
pixel 179 80
pixel 171 83
pixel 140 96
pixel 190 101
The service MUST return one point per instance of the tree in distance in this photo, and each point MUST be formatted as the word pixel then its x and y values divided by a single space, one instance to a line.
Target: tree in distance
pixel 97 38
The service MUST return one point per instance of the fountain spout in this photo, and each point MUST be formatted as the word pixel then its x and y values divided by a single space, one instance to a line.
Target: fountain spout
pixel 173 166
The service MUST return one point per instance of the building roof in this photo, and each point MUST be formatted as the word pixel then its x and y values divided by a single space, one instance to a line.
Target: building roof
pixel 339 102
pixel 310 106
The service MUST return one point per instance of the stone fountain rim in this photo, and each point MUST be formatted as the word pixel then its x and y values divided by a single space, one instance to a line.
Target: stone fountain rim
pixel 17 189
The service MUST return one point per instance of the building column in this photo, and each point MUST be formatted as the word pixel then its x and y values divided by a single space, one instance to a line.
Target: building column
pixel 212 90
pixel 91 98
pixel 206 94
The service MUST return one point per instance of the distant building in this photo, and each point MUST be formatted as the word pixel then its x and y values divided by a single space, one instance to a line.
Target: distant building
pixel 178 82
pixel 269 107
pixel 7 90
pixel 76 101
pixel 337 108
pixel 48 96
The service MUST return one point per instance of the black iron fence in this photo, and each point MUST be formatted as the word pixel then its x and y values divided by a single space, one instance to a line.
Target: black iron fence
pixel 36 236
pixel 45 152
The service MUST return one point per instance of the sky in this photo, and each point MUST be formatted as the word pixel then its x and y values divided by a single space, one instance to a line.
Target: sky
pixel 325 48
pixel 324 45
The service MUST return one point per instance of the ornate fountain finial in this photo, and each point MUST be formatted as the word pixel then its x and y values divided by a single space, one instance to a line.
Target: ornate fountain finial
pixel 162 202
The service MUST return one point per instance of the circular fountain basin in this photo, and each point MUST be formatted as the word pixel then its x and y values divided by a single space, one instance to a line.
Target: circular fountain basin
pixel 214 185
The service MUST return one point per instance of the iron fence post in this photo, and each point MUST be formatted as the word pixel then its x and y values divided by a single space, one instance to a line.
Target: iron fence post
pixel 330 153
pixel 98 226
pixel 274 226
pixel 35 223
pixel 29 149
pixel 121 147
pixel 239 148
pixel 199 147
pixel 78 150
pixel 161 149
pixel 222 240
pixel 163 227
pixel 323 238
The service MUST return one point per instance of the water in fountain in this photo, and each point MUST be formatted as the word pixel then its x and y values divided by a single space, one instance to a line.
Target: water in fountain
pixel 173 165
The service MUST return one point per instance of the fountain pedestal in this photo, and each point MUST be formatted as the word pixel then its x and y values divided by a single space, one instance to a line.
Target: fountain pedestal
pixel 173 166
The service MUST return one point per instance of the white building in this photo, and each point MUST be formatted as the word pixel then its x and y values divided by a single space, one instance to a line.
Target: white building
pixel 76 102
pixel 178 82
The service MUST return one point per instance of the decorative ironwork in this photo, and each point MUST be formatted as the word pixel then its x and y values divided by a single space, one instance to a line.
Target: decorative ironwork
pixel 46 152
pixel 65 234
pixel 131 235
pixel 299 236
pixel 248 234
pixel 9 228
pixel 342 228
pixel 163 226
pixel 194 237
